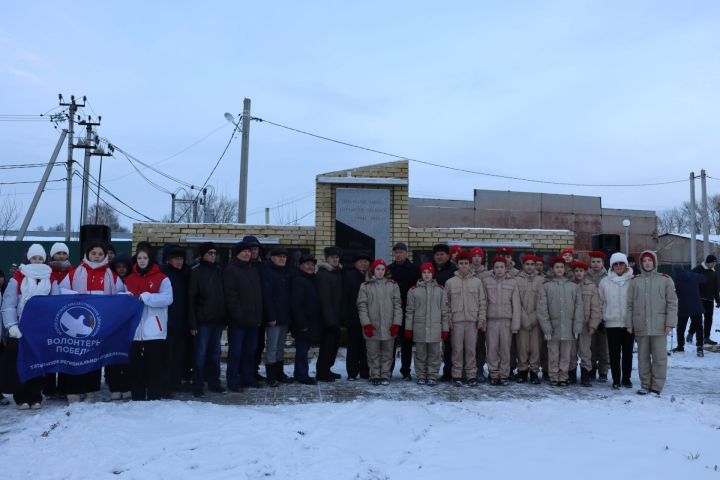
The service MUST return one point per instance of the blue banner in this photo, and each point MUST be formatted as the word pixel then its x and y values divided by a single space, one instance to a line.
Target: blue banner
pixel 76 334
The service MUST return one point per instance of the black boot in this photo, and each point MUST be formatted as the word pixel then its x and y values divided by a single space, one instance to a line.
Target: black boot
pixel 585 378
pixel 572 376
pixel 521 376
pixel 700 352
pixel 271 375
pixel 534 378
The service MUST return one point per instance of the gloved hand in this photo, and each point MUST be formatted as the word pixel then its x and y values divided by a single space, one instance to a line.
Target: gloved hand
pixel 548 337
pixel 576 336
pixel 369 330
pixel 14 332
pixel 408 334
pixel 444 336
pixel 394 330
pixel 144 296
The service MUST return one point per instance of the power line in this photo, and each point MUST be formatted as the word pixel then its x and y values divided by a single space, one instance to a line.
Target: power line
pixel 160 172
pixel 32 181
pixel 95 183
pixel 153 184
pixel 300 218
pixel 464 170
pixel 27 165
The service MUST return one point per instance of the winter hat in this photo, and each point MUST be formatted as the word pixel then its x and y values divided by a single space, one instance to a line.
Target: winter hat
pixel 278 251
pixel 362 256
pixel 172 250
pixel 377 262
pixel 330 251
pixel 647 254
pixel 36 250
pixel 477 251
pixel 498 259
pixel 58 247
pixel 619 257
pixel 464 256
pixel 239 247
pixel 504 251
pixel 400 246
pixel 204 248
pixel 428 266
pixel 596 254
pixel 306 257
pixel 567 250
pixel 455 249
pixel 555 260
pixel 441 247
pixel 526 258
pixel 710 259
pixel 251 240
pixel 577 264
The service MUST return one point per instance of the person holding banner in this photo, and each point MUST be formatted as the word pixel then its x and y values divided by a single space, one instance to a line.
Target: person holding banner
pixel 93 276
pixel 29 280
pixel 147 356
pixel 61 266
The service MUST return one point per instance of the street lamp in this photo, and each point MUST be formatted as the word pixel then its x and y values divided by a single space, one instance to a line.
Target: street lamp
pixel 626 224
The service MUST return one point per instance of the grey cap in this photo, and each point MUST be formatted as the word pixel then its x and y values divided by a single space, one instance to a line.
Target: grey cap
pixel 400 246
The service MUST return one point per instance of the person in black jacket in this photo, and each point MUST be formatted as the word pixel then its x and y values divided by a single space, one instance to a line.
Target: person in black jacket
pixel 305 309
pixel 406 274
pixel 206 318
pixel 444 271
pixel 276 314
pixel 356 358
pixel 709 292
pixel 256 258
pixel 329 284
pixel 243 304
pixel 178 342
pixel 687 286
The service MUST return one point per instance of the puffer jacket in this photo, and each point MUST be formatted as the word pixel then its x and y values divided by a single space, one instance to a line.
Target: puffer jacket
pixel 560 309
pixel 591 304
pixel 596 277
pixel 652 303
pixel 529 288
pixel 379 305
pixel 613 297
pixel 426 312
pixel 503 300
pixel 466 298
pixel 153 323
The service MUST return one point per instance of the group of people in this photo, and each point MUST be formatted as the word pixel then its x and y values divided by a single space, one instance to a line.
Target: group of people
pixel 459 310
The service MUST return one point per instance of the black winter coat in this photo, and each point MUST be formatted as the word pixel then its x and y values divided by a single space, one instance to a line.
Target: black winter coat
pixel 688 285
pixel 708 291
pixel 276 294
pixel 305 306
pixel 444 274
pixel 206 298
pixel 330 291
pixel 243 294
pixel 406 275
pixel 352 280
pixel 178 310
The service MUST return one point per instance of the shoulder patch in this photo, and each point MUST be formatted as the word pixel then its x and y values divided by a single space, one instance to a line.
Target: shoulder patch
pixel 413 287
pixel 665 275
pixel 442 286
pixel 634 277
pixel 390 280
pixel 365 282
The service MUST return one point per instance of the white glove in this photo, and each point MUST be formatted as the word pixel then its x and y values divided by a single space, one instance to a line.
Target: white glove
pixel 145 296
pixel 548 337
pixel 576 336
pixel 14 332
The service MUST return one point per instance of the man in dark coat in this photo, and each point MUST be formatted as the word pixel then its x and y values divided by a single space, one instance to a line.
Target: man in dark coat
pixel 243 305
pixel 206 319
pixel 406 274
pixel 356 361
pixel 276 313
pixel 709 293
pixel 329 284
pixel 687 286
pixel 444 271
pixel 305 310
pixel 178 342
pixel 256 258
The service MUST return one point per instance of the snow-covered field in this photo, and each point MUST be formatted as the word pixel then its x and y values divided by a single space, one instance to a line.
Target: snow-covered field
pixel 596 433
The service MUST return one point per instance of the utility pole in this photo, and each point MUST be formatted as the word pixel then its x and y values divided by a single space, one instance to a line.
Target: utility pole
pixel 72 109
pixel 89 124
pixel 693 230
pixel 244 150
pixel 172 208
pixel 41 187
pixel 705 217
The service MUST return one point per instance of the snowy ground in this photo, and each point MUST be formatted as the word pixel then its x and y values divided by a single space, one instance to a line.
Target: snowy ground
pixel 401 431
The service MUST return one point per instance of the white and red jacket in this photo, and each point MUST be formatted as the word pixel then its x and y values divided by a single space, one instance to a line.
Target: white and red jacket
pixel 155 291
pixel 92 278
pixel 14 298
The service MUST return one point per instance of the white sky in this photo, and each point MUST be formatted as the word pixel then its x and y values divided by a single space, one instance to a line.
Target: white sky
pixel 575 91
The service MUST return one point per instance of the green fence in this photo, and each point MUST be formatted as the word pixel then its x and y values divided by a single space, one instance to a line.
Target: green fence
pixel 13 252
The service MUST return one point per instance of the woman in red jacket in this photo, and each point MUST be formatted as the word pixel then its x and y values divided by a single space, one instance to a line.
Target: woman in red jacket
pixel 93 276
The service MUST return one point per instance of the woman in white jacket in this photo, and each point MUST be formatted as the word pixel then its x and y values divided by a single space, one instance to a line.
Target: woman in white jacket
pixel 147 356
pixel 30 280
pixel 613 295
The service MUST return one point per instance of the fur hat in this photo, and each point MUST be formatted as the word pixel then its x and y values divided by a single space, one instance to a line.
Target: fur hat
pixel 58 247
pixel 428 266
pixel 619 257
pixel 441 247
pixel 36 250
pixel 204 248
pixel 330 251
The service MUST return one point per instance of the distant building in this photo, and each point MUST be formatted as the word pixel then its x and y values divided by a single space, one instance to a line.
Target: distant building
pixel 675 248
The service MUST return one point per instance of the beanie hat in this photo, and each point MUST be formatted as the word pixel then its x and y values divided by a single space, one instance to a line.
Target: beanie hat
pixel 619 257
pixel 441 247
pixel 504 251
pixel 376 263
pixel 204 248
pixel 428 266
pixel 555 260
pixel 455 249
pixel 239 247
pixel 577 264
pixel 477 251
pixel 711 259
pixel 36 250
pixel 58 247
pixel 567 250
pixel 498 259
pixel 526 258
pixel 464 256
pixel 400 246
pixel 596 254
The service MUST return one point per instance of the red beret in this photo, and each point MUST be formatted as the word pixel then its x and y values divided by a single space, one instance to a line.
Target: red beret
pixel 596 254
pixel 539 259
pixel 464 256
pixel 455 249
pixel 555 260
pixel 498 259
pixel 427 266
pixel 577 264
pixel 377 262
pixel 525 258
pixel 477 251
pixel 647 254
pixel 567 250
pixel 504 251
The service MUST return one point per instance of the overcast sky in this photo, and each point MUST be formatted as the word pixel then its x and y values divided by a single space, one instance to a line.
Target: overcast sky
pixel 575 91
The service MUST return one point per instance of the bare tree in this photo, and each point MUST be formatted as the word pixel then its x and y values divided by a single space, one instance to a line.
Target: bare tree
pixel 9 214
pixel 678 219
pixel 224 208
pixel 102 214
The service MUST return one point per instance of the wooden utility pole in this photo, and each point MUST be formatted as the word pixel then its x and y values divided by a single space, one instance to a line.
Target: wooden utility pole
pixel 244 151
pixel 72 110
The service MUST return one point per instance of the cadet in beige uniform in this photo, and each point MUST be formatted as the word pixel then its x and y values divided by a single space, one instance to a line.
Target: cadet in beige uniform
pixel 593 316
pixel 530 337
pixel 479 271
pixel 599 347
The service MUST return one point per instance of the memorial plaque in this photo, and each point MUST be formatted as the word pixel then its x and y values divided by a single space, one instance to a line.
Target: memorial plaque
pixel 366 211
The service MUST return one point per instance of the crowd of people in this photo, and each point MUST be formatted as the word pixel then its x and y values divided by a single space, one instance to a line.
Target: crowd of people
pixel 449 317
